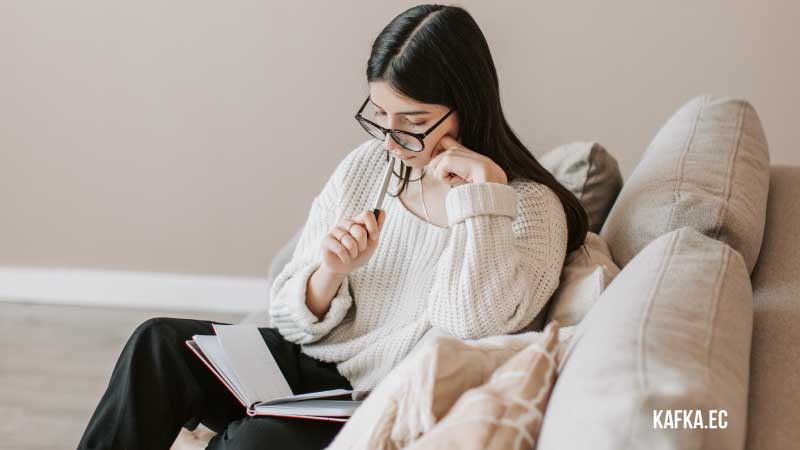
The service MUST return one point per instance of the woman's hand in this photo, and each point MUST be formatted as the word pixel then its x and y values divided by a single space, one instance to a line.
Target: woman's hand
pixel 352 242
pixel 455 164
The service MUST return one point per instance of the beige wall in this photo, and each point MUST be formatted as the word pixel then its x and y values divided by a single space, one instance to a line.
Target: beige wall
pixel 167 136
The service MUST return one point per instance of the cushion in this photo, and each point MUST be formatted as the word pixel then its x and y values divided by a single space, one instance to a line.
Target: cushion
pixel 506 412
pixel 587 271
pixel 590 173
pixel 426 384
pixel 671 332
pixel 707 168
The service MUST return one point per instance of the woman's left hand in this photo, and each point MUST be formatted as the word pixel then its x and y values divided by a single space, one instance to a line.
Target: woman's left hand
pixel 455 164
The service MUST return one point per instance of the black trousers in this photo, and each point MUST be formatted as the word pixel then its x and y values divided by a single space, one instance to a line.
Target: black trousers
pixel 158 385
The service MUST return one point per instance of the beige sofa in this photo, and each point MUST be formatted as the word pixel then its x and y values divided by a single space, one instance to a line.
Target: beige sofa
pixel 774 396
pixel 704 312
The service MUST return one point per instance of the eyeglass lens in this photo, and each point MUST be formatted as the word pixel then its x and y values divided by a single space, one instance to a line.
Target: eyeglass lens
pixel 379 117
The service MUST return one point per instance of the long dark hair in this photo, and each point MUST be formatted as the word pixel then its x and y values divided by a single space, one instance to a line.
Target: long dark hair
pixel 437 54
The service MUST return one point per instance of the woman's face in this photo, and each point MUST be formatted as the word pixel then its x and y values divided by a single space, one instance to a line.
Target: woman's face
pixel 393 110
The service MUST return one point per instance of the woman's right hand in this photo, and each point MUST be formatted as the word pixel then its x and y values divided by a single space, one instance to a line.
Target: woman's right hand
pixel 351 243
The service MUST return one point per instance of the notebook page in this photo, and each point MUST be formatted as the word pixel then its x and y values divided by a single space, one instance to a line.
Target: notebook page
pixel 259 375
pixel 308 396
pixel 329 408
pixel 212 350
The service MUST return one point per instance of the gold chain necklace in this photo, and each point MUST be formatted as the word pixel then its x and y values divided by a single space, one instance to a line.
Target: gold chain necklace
pixel 422 196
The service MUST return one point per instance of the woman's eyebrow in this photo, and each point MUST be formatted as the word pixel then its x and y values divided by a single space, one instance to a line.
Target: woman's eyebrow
pixel 406 113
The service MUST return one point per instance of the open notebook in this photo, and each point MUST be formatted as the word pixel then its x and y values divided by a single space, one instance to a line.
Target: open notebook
pixel 239 357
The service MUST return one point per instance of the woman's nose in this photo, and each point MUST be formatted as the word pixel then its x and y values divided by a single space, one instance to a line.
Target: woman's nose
pixel 390 144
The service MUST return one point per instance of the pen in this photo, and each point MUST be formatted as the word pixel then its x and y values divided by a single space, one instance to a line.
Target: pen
pixel 386 177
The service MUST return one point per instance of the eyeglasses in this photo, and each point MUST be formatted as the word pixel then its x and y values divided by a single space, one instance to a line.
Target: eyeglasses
pixel 410 141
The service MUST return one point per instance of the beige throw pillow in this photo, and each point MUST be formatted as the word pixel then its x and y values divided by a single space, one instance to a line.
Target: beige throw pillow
pixel 589 171
pixel 587 271
pixel 706 168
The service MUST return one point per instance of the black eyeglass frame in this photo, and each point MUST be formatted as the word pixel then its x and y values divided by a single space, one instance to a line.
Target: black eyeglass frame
pixel 419 136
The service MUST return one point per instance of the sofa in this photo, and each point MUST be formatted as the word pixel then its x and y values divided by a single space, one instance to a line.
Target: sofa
pixel 774 388
pixel 703 313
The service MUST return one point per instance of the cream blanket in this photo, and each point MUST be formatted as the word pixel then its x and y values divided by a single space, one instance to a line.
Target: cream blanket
pixel 445 392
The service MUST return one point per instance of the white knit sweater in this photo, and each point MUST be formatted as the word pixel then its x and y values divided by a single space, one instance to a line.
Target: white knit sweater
pixel 489 272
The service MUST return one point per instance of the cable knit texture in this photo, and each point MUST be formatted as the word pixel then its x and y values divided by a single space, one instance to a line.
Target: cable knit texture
pixel 489 272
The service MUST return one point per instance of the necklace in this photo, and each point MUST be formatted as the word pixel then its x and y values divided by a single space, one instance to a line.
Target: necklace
pixel 422 196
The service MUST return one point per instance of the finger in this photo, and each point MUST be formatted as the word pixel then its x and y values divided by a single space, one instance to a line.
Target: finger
pixel 450 178
pixel 340 229
pixel 358 230
pixel 453 166
pixel 381 220
pixel 436 155
pixel 443 170
pixel 433 166
pixel 371 224
pixel 447 141
pixel 456 181
pixel 437 150
pixel 333 245
pixel 346 223
pixel 350 244
pixel 359 233
pixel 342 233
pixel 337 233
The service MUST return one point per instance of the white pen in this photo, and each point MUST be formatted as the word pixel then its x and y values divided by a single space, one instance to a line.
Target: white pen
pixel 386 177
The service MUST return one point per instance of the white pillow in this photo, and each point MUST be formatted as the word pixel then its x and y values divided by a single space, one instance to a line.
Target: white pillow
pixel 586 273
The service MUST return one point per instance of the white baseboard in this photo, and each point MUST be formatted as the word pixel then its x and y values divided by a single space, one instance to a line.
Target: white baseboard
pixel 151 290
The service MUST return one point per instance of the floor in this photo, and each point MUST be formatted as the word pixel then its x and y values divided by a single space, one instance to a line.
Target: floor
pixel 55 362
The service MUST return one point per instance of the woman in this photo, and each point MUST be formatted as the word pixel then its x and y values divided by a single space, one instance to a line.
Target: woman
pixel 472 242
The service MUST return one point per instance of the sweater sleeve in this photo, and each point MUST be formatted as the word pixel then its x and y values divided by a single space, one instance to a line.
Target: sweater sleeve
pixel 288 310
pixel 504 260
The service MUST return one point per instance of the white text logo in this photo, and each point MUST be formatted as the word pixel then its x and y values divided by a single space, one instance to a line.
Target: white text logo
pixel 690 418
